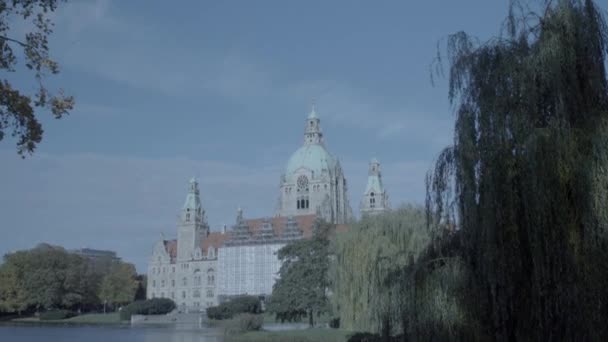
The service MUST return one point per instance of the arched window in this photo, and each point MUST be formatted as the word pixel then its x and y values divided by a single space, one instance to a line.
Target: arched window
pixel 210 276
pixel 298 204
pixel 307 203
pixel 197 280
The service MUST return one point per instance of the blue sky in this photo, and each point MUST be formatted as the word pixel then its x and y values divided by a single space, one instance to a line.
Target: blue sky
pixel 220 90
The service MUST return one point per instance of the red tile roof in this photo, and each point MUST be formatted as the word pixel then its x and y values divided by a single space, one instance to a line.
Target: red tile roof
pixel 305 223
pixel 216 239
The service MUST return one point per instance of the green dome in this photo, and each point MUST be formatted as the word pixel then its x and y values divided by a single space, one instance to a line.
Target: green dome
pixel 313 157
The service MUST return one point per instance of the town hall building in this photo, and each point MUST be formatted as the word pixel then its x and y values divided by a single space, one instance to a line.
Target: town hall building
pixel 202 268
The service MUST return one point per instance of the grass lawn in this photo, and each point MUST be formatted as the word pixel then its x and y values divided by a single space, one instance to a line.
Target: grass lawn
pixel 306 335
pixel 95 318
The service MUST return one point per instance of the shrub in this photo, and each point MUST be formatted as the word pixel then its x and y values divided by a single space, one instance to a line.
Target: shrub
pixel 155 306
pixel 334 323
pixel 237 305
pixel 56 315
pixel 243 323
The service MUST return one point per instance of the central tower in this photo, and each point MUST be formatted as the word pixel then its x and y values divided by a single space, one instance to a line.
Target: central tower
pixel 313 182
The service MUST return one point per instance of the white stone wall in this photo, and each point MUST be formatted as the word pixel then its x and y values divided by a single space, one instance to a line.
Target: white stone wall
pixel 249 269
pixel 192 285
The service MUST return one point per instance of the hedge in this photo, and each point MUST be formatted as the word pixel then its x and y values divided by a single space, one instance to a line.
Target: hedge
pixel 54 315
pixel 155 306
pixel 237 305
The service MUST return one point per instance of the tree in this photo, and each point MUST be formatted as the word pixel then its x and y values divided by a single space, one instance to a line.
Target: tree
pixel 302 287
pixel 526 179
pixel 119 285
pixel 18 110
pixel 388 278
pixel 12 295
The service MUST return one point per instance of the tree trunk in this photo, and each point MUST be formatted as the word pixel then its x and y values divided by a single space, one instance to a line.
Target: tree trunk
pixel 310 319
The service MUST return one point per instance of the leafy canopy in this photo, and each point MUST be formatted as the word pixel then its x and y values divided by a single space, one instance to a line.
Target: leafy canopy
pixel 302 287
pixel 18 109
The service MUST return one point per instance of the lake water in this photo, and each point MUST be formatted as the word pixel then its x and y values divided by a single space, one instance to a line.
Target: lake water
pixel 48 333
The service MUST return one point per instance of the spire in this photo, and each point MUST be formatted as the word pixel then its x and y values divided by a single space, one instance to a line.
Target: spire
pixel 375 198
pixel 374 167
pixel 313 112
pixel 312 132
pixel 193 201
pixel 239 215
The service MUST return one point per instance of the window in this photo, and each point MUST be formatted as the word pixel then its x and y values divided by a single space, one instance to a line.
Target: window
pixel 210 277
pixel 172 282
pixel 196 294
pixel 172 295
pixel 184 281
pixel 173 269
pixel 162 283
pixel 187 217
pixel 197 280
pixel 209 293
pixel 183 294
pixel 153 283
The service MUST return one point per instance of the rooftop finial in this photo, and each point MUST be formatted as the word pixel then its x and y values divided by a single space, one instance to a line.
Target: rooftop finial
pixel 313 112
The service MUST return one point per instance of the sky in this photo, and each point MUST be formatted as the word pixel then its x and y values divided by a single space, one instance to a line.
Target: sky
pixel 220 90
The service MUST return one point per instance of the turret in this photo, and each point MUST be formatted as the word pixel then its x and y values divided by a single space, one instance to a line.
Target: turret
pixel 192 225
pixel 312 132
pixel 375 198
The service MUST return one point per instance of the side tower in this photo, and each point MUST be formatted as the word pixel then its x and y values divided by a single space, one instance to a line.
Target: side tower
pixel 375 198
pixel 192 225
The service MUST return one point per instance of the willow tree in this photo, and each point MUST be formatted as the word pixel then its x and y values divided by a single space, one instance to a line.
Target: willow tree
pixel 527 177
pixel 384 279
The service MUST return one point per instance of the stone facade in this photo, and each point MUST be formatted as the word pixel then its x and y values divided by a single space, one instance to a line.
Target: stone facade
pixel 185 269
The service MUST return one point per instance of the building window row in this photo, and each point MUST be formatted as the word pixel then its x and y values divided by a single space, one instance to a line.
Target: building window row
pixel 302 203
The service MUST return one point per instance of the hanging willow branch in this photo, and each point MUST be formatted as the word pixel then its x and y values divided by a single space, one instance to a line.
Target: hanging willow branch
pixel 527 176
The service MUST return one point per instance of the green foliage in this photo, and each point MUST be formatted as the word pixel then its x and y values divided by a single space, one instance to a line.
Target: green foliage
pixel 119 285
pixel 154 306
pixel 54 315
pixel 302 287
pixel 526 178
pixel 389 279
pixel 48 277
pixel 302 335
pixel 234 306
pixel 243 323
pixel 17 110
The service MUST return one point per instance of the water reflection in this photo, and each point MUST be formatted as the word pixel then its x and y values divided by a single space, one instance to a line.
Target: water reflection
pixel 173 333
